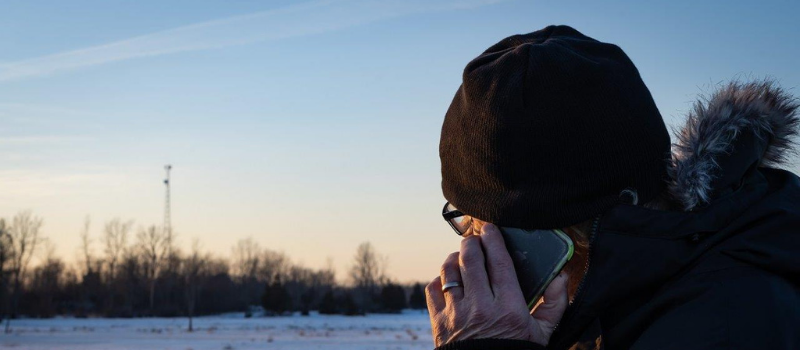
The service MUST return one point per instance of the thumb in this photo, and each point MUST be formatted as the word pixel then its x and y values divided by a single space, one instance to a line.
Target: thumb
pixel 549 312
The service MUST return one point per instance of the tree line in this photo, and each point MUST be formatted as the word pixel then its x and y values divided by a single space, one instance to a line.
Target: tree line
pixel 140 272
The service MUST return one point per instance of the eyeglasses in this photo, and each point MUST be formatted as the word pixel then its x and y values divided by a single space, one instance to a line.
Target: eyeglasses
pixel 461 223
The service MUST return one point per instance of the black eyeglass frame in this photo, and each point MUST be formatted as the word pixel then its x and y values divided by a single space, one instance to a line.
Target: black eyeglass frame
pixel 450 215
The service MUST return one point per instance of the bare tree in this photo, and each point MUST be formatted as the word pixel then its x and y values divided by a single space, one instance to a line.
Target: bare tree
pixel 193 267
pixel 127 279
pixel 86 245
pixel 25 236
pixel 367 272
pixel 154 246
pixel 327 275
pixel 273 265
pixel 246 254
pixel 5 255
pixel 46 279
pixel 91 271
pixel 115 240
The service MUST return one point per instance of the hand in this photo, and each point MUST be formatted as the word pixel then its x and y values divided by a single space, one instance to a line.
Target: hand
pixel 490 304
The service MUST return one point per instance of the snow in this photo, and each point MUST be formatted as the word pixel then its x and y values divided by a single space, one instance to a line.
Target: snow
pixel 409 330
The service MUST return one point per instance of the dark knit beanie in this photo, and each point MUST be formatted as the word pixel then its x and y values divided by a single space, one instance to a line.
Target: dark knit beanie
pixel 547 129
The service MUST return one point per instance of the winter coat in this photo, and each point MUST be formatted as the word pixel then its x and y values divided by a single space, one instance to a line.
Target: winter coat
pixel 723 272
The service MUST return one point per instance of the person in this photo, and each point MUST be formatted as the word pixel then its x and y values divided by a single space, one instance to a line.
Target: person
pixel 691 245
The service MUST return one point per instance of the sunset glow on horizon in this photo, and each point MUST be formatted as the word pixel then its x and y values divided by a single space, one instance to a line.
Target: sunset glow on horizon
pixel 309 126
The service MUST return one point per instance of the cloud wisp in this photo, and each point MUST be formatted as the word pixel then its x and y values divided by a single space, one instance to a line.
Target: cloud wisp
pixel 293 21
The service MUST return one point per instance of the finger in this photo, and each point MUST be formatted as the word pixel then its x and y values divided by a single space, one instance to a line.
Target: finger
pixel 549 312
pixel 473 269
pixel 500 267
pixel 451 273
pixel 434 297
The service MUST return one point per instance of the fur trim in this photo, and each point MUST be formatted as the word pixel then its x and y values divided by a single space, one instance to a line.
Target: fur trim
pixel 713 125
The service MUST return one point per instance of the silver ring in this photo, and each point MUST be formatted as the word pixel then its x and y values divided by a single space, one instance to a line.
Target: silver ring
pixel 449 285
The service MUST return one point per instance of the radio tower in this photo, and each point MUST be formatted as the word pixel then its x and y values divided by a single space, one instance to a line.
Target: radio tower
pixel 167 219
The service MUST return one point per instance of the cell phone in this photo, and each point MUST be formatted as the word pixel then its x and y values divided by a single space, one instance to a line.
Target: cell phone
pixel 538 256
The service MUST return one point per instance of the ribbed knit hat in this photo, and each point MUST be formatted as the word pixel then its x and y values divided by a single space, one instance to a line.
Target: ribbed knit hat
pixel 547 129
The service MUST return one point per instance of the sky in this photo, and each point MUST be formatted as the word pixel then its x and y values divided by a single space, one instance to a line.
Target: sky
pixel 310 126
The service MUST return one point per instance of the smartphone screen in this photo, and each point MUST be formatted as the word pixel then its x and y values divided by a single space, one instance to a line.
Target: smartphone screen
pixel 538 256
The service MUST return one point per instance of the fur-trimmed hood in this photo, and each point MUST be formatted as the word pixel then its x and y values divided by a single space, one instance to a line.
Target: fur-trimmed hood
pixel 735 239
pixel 740 126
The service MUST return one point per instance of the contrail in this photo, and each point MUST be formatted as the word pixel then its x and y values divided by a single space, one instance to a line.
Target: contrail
pixel 287 22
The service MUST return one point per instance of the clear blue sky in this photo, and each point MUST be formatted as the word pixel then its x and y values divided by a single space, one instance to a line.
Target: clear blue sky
pixel 310 126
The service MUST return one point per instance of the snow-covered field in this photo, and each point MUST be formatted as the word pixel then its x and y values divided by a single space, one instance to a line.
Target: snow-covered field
pixel 409 330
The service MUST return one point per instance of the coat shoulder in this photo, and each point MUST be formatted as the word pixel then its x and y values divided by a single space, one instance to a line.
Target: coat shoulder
pixel 739 307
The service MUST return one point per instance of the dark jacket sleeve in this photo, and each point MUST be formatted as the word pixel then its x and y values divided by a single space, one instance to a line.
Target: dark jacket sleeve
pixel 491 344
